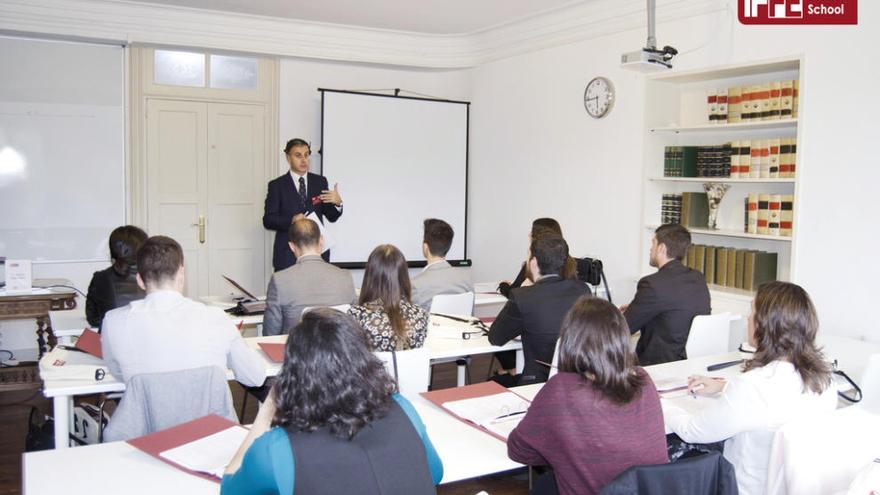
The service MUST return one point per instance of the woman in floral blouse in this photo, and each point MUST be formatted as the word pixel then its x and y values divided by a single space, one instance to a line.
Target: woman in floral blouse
pixel 384 309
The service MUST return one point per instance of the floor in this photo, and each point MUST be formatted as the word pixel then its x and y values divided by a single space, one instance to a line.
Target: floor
pixel 15 408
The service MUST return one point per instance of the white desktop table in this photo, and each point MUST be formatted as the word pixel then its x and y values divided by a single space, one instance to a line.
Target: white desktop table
pixel 62 391
pixel 465 451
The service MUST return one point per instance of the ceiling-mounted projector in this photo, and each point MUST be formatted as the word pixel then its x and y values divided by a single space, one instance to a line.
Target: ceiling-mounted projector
pixel 650 58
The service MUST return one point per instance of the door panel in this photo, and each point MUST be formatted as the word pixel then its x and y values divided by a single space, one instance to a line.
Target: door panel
pixel 177 180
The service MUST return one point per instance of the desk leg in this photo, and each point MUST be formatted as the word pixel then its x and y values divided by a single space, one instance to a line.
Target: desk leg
pixel 61 405
pixel 520 361
pixel 41 339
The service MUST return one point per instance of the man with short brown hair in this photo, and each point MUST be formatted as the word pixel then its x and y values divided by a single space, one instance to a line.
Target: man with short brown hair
pixel 667 301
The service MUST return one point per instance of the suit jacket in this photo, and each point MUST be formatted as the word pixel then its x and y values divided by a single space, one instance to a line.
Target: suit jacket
pixel 309 282
pixel 283 203
pixel 663 308
pixel 440 278
pixel 109 290
pixel 536 312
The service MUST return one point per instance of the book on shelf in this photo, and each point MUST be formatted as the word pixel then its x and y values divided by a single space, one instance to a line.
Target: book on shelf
pixel 770 100
pixel 764 164
pixel 765 101
pixel 691 256
pixel 752 213
pixel 774 158
pixel 794 98
pixel 734 104
pixel 785 99
pixel 731 268
pixel 739 259
pixel 712 105
pixel 694 210
pixel 775 208
pixel 763 214
pixel 759 267
pixel 720 266
pixel 722 106
pixel 786 215
pixel 745 158
pixel 734 159
pixel 700 258
pixel 671 209
pixel 775 91
pixel 709 271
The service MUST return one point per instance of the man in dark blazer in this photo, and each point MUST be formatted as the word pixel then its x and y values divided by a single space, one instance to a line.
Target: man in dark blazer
pixel 536 311
pixel 294 195
pixel 667 301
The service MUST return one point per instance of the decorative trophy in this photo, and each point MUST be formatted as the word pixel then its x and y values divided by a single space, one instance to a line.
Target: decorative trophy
pixel 715 192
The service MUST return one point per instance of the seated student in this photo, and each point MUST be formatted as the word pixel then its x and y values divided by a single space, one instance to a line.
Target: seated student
pixel 311 281
pixel 536 311
pixel 116 286
pixel 599 415
pixel 666 302
pixel 337 424
pixel 438 277
pixel 788 377
pixel 384 309
pixel 524 277
pixel 165 331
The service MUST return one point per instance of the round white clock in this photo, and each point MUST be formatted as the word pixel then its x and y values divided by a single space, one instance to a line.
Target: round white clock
pixel 599 97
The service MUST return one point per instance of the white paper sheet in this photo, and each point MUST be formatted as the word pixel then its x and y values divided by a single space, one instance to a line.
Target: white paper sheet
pixel 490 409
pixel 328 240
pixel 210 454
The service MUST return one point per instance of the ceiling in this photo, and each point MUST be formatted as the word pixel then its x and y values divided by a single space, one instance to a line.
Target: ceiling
pixel 421 16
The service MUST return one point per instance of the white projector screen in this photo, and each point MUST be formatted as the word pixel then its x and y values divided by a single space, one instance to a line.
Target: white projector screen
pixel 398 161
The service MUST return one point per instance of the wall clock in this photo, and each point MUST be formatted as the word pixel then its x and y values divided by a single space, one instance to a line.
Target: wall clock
pixel 599 97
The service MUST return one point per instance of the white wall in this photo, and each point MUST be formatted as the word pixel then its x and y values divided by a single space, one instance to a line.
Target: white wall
pixel 535 152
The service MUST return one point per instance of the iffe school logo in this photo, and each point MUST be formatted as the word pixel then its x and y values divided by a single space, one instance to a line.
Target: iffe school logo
pixel 799 11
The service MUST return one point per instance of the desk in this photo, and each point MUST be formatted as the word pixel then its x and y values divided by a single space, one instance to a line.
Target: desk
pixel 465 451
pixel 62 391
pixel 16 306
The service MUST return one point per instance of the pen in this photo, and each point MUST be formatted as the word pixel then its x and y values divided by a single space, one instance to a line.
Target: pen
pixel 507 417
pixel 545 364
pixel 721 366
pixel 454 318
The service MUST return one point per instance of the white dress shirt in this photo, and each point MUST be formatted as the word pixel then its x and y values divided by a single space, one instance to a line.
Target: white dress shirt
pixel 747 414
pixel 168 332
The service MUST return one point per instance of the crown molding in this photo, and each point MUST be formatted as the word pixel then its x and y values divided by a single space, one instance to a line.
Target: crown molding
pixel 127 22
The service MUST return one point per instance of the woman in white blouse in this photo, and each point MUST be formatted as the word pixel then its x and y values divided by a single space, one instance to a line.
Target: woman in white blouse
pixel 786 378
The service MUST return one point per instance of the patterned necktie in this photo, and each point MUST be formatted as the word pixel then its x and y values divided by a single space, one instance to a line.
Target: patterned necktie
pixel 303 194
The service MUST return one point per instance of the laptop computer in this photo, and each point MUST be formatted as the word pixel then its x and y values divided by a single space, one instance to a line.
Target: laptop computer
pixel 251 306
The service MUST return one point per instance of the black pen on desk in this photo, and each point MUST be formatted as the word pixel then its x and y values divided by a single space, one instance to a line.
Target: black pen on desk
pixel 454 318
pixel 507 416
pixel 721 366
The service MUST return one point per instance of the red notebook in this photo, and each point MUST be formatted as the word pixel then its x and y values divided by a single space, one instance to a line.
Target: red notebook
pixel 440 397
pixel 90 342
pixel 275 352
pixel 156 443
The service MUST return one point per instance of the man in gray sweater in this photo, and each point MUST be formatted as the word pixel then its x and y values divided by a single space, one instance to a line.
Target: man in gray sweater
pixel 311 281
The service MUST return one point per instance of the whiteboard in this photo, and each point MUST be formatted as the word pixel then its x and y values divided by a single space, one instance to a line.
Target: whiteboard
pixel 62 157
pixel 397 161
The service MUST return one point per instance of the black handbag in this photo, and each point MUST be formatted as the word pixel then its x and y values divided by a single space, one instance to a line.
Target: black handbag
pixel 41 434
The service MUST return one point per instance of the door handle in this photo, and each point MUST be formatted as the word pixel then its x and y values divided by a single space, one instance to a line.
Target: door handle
pixel 201 226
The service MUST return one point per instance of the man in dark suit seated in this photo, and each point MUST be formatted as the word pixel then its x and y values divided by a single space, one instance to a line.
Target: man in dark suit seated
pixel 536 312
pixel 294 195
pixel 667 301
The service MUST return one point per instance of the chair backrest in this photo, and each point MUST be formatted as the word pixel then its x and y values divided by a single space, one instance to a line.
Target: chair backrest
pixel 555 361
pixel 709 474
pixel 413 369
pixel 453 304
pixel 710 334
pixel 870 385
pixel 156 401
pixel 822 453
pixel 343 308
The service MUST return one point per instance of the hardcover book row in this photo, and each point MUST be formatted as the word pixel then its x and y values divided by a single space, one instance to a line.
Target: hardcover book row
pixel 755 159
pixel 768 101
pixel 744 269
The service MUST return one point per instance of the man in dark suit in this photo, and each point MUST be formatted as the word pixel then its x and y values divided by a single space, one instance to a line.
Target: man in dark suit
pixel 295 195
pixel 536 311
pixel 667 301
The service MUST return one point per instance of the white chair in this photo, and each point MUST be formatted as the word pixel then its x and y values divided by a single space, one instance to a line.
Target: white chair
pixel 555 362
pixel 823 453
pixel 710 334
pixel 413 369
pixel 870 385
pixel 453 304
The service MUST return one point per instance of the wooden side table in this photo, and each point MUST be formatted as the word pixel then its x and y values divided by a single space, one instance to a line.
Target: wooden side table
pixel 37 305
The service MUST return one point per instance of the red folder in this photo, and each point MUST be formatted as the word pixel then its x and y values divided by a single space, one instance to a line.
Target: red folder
pixel 156 443
pixel 487 319
pixel 440 397
pixel 275 352
pixel 90 342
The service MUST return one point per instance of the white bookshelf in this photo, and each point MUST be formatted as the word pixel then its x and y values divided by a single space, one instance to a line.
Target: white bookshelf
pixel 676 115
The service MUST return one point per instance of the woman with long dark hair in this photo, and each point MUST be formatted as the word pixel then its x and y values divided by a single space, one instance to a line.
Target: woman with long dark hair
pixel 384 309
pixel 787 378
pixel 599 415
pixel 540 226
pixel 116 286
pixel 333 422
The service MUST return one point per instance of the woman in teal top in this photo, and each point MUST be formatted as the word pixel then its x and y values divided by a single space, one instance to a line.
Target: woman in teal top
pixel 334 422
